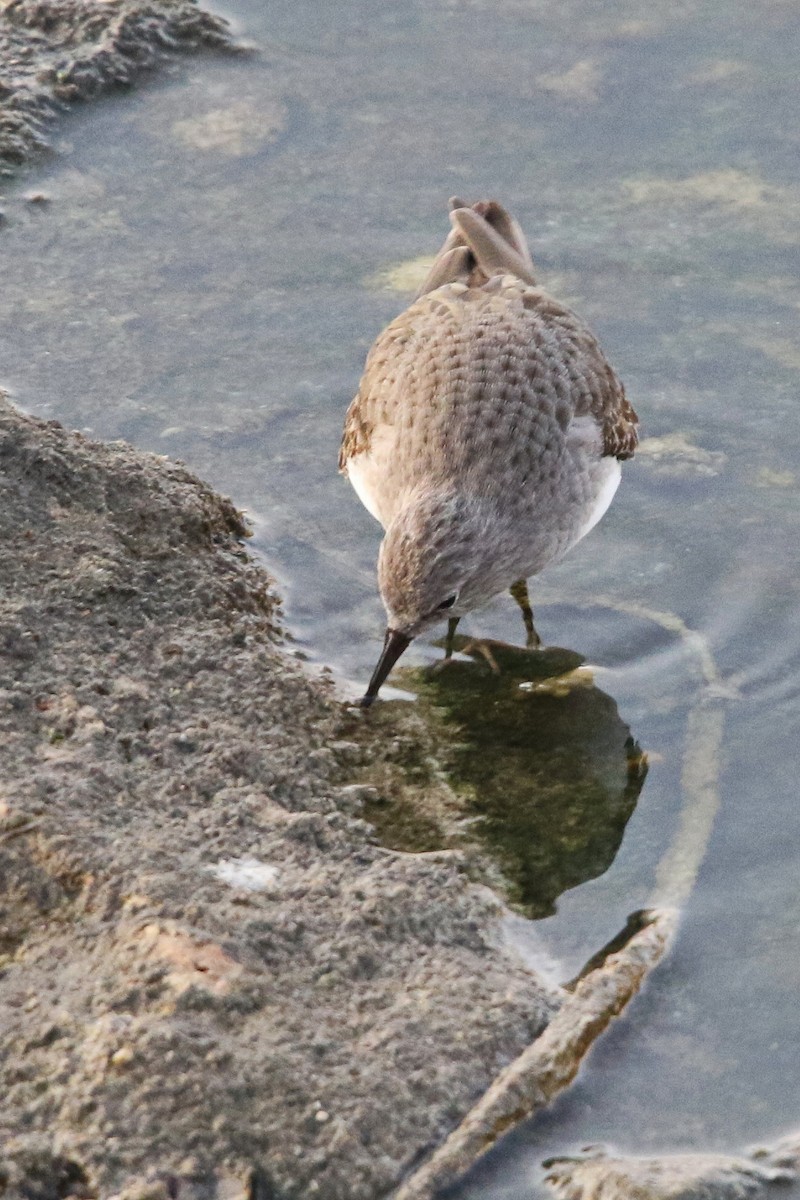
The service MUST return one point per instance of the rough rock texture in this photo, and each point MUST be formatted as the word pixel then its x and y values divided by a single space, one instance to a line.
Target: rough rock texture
pixel 172 1018
pixel 54 52
pixel 602 1176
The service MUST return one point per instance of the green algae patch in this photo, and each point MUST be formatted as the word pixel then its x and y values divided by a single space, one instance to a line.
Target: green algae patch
pixel 402 824
pixel 402 276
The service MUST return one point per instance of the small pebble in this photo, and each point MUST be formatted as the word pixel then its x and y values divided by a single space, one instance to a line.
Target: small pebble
pixel 122 1057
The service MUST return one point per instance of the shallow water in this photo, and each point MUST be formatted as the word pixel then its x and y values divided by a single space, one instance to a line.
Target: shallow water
pixel 205 282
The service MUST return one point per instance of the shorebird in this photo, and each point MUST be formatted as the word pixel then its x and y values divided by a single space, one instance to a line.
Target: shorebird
pixel 486 435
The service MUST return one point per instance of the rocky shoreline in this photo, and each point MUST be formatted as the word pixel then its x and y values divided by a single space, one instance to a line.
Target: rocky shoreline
pixel 54 53
pixel 209 967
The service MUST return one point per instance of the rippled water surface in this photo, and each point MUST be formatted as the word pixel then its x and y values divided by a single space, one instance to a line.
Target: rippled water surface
pixel 213 264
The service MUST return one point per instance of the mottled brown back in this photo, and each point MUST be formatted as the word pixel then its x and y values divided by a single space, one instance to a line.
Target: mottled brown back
pixel 503 357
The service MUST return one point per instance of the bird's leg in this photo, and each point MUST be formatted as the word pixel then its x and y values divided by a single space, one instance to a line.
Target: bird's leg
pixel 452 626
pixel 520 593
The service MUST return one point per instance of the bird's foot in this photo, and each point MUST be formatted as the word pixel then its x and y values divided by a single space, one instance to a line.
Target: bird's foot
pixel 476 646
pixel 532 640
pixel 473 648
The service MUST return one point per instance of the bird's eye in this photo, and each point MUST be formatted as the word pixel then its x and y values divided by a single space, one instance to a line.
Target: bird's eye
pixel 448 603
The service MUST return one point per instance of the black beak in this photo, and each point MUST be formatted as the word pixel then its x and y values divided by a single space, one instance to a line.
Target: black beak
pixel 393 646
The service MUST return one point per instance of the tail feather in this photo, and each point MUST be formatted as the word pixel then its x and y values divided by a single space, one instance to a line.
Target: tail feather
pixel 501 220
pixel 494 253
pixel 453 264
pixel 485 240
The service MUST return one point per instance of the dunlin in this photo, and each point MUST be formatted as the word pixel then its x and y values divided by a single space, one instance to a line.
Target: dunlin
pixel 486 435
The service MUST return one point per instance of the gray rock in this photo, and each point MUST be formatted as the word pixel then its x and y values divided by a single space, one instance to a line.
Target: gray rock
pixel 155 1011
pixel 57 52
pixel 603 1176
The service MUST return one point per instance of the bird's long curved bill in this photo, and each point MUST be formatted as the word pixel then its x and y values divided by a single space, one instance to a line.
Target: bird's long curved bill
pixel 393 646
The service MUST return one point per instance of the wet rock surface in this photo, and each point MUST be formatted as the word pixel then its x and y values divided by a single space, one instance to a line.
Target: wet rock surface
pixel 210 973
pixel 56 53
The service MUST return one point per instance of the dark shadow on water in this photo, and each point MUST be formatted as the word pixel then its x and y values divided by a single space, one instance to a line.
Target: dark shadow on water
pixel 545 765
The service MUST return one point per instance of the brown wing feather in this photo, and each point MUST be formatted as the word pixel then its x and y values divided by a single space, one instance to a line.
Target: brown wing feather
pixel 619 421
pixel 597 390
pixel 357 433
pixel 369 405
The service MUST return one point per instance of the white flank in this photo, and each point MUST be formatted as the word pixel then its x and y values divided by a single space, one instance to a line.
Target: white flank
pixel 609 474
pixel 358 473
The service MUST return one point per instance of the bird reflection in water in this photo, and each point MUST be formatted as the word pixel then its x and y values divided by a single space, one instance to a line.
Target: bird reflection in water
pixel 547 771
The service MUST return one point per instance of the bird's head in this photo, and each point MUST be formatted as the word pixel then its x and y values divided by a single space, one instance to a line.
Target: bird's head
pixel 431 567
